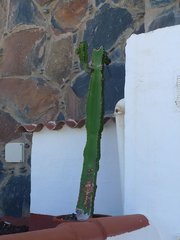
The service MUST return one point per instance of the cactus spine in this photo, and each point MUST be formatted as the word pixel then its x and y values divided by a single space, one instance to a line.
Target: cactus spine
pixel 94 127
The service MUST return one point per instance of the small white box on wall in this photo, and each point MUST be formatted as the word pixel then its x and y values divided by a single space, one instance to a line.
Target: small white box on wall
pixel 14 152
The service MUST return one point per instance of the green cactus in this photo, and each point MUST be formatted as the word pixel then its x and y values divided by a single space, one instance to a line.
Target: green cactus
pixel 94 127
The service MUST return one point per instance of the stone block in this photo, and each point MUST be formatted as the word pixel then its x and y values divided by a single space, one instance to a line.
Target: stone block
pixel 115 55
pixel 132 4
pixel 165 19
pixel 19 48
pixel 159 3
pixel 23 12
pixel 59 61
pixel 15 196
pixel 106 27
pixel 80 85
pixel 114 79
pixel 68 14
pixel 8 127
pixel 3 14
pixel 98 2
pixel 2 174
pixel 43 2
pixel 30 100
pixel 75 107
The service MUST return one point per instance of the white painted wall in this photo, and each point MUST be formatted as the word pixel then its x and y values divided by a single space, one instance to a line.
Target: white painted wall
pixel 152 128
pixel 56 169
pixel 119 116
pixel 145 233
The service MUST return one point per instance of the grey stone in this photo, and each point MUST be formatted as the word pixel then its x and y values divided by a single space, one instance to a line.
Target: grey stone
pixel 15 196
pixel 135 6
pixel 159 3
pixel 114 79
pixel 115 55
pixel 60 117
pixel 164 20
pixel 23 12
pixel 108 24
pixel 80 85
pixel 98 2
pixel 38 54
pixel 1 165
pixel 2 174
pixel 29 161
pixel 140 30
pixel 113 86
pixel 3 12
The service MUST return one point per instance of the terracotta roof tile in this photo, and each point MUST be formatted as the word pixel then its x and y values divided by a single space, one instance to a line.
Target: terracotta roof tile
pixel 54 125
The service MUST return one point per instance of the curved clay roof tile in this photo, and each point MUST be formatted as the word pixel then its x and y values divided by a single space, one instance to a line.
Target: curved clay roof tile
pixel 55 125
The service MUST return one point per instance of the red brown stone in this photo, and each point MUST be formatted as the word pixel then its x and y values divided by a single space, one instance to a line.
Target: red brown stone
pixel 69 14
pixel 28 101
pixel 17 52
pixel 59 62
pixel 8 128
pixel 75 107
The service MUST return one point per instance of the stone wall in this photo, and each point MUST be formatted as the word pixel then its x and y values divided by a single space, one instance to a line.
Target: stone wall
pixel 40 75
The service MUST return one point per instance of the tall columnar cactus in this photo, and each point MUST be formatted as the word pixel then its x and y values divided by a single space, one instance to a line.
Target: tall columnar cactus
pixel 94 127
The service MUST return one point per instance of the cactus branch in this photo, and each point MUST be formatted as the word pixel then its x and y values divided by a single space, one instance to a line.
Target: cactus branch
pixel 94 127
